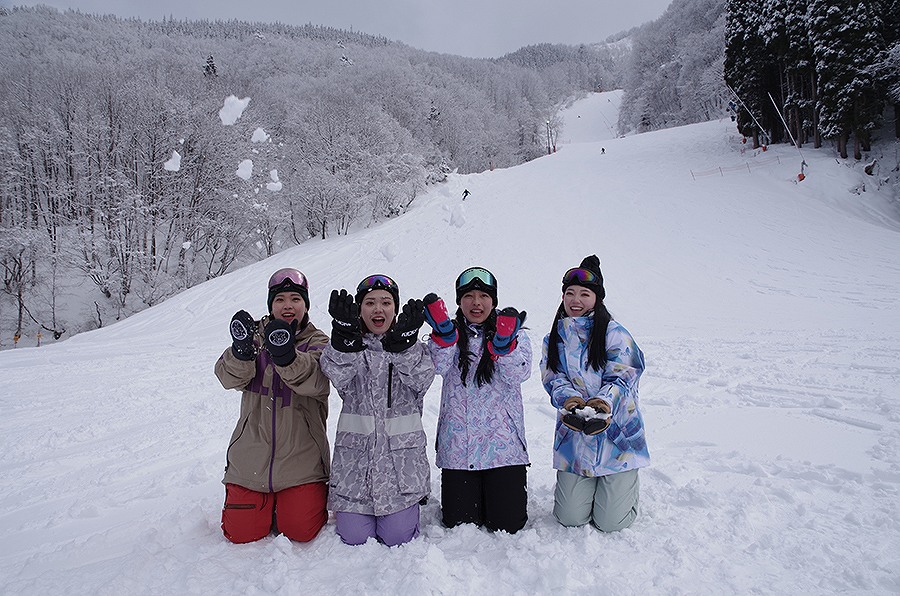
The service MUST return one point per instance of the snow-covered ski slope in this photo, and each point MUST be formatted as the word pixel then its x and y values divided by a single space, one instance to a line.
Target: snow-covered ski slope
pixel 592 118
pixel 767 310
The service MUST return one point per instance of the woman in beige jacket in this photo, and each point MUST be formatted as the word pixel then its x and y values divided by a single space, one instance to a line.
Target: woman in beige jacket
pixel 278 459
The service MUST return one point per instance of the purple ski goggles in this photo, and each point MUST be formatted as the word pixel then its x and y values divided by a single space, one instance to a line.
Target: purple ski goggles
pixel 579 276
pixel 286 279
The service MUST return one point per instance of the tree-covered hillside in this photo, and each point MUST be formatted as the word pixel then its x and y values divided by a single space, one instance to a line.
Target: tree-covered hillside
pixel 122 184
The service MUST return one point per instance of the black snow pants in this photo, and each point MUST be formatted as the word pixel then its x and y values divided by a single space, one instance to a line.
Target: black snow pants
pixel 495 498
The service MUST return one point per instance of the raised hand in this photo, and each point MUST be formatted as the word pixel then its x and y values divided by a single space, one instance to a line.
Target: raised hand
pixel 445 333
pixel 279 341
pixel 405 331
pixel 241 328
pixel 509 321
pixel 346 333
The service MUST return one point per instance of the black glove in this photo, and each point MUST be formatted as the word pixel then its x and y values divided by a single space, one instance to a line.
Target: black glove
pixel 346 334
pixel 405 331
pixel 241 328
pixel 279 338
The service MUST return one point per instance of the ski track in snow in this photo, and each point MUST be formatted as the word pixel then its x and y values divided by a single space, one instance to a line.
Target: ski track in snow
pixel 767 314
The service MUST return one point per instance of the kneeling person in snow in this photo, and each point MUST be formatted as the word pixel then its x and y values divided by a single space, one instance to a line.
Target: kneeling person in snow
pixel 590 368
pixel 484 358
pixel 381 372
pixel 278 457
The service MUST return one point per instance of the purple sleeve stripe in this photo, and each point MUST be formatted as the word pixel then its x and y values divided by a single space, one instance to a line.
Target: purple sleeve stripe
pixel 305 348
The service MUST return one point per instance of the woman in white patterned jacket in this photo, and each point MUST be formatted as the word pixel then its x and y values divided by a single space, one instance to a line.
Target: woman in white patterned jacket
pixel 380 471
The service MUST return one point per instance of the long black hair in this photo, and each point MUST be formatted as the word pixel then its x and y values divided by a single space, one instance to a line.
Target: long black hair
pixel 484 372
pixel 596 340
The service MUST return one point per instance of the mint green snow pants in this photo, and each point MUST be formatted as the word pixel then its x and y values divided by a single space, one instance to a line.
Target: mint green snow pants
pixel 610 503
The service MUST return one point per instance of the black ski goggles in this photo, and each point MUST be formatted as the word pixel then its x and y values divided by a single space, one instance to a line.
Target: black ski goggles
pixel 578 276
pixel 377 282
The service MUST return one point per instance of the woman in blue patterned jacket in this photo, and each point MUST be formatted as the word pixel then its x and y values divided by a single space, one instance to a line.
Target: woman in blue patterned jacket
pixel 590 368
pixel 481 450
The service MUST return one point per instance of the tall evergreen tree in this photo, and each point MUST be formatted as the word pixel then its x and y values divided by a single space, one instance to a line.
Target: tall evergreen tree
pixel 209 69
pixel 787 40
pixel 744 57
pixel 889 11
pixel 847 44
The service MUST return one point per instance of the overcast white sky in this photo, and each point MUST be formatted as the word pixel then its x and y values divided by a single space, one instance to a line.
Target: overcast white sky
pixel 476 28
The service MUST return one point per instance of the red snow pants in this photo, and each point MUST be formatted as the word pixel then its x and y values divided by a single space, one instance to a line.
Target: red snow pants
pixel 297 512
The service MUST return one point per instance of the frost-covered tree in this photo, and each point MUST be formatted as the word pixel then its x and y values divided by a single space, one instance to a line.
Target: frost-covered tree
pixel 674 72
pixel 785 31
pixel 209 69
pixel 847 44
pixel 889 11
pixel 890 66
pixel 745 59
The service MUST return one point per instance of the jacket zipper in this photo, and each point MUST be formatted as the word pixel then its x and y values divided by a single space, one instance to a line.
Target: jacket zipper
pixel 390 382
pixel 272 457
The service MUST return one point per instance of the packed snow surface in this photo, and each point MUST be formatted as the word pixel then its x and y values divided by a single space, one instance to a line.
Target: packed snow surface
pixel 767 310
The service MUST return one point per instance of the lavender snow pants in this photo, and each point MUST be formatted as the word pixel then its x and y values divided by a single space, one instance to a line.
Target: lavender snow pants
pixel 396 528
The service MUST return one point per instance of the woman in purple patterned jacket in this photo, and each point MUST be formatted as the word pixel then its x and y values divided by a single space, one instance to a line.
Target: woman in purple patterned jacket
pixel 483 358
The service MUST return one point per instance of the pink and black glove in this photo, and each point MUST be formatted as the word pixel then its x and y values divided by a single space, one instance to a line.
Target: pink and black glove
pixel 445 333
pixel 509 321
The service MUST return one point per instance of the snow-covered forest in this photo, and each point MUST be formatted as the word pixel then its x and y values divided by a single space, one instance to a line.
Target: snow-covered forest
pixel 128 176
pixel 143 158
pixel 673 75
pixel 824 68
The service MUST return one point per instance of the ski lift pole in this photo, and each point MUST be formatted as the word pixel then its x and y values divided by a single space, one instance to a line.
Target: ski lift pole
pixel 738 97
pixel 801 175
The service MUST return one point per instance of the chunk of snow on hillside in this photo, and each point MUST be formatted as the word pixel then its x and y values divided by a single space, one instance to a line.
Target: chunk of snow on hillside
pixel 275 184
pixel 458 216
pixel 390 251
pixel 245 169
pixel 259 136
pixel 173 164
pixel 232 109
